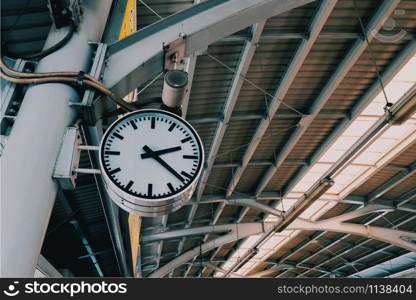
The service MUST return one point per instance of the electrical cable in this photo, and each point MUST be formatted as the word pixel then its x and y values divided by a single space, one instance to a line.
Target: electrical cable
pixel 78 78
pixel 62 77
pixel 73 81
pixel 45 52
pixel 18 74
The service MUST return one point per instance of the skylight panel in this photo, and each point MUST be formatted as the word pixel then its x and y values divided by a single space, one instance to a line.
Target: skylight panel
pixel 358 170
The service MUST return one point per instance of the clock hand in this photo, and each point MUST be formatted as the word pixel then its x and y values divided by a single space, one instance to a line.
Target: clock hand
pixel 160 152
pixel 163 163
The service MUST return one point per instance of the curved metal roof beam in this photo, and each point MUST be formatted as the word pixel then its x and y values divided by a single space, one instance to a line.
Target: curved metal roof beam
pixel 234 235
pixel 137 58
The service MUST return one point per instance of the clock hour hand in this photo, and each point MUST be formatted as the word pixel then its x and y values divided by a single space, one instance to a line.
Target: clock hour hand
pixel 160 152
pixel 163 163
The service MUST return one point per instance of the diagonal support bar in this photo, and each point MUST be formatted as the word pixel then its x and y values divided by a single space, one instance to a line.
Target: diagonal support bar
pixel 220 208
pixel 238 80
pixel 369 209
pixel 273 269
pixel 392 182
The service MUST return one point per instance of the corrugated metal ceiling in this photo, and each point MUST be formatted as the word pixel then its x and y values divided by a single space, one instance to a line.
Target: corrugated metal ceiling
pixel 25 25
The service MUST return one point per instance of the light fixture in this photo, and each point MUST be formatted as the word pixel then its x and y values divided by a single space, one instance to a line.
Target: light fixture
pixel 308 198
pixel 404 108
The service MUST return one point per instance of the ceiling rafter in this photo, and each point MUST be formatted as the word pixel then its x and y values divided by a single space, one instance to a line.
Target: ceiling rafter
pixel 247 55
pixel 299 57
pixel 348 249
pixel 341 72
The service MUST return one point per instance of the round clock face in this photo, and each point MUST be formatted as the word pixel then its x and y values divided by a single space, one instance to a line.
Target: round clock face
pixel 150 158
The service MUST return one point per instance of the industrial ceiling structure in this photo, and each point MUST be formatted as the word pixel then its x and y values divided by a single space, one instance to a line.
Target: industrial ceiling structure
pixel 305 174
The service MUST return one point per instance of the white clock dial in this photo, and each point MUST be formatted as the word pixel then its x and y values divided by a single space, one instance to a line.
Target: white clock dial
pixel 149 157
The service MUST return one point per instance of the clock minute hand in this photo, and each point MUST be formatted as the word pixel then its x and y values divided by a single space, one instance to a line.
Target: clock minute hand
pixel 163 163
pixel 160 152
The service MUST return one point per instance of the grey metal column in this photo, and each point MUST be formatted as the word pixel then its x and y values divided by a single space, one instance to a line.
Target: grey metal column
pixel 28 190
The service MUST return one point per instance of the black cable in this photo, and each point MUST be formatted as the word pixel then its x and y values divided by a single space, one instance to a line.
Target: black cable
pixel 45 52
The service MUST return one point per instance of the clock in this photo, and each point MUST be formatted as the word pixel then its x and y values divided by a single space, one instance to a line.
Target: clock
pixel 151 161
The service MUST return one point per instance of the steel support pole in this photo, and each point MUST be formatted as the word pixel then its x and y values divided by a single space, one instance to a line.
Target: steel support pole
pixel 28 190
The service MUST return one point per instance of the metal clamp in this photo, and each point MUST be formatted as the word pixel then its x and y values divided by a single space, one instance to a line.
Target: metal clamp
pixel 12 96
pixel 173 55
pixel 92 108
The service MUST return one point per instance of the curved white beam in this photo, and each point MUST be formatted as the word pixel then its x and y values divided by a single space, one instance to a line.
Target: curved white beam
pixel 174 234
pixel 208 264
pixel 271 270
pixel 234 235
pixel 254 204
pixel 138 57
pixel 398 238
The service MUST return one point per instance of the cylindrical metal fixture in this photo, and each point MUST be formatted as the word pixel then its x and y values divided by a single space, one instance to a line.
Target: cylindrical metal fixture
pixel 174 88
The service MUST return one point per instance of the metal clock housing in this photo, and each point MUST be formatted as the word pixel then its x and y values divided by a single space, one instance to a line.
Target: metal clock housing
pixel 151 161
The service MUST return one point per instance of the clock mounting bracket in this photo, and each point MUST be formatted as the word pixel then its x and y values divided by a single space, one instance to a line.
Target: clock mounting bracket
pixel 66 168
pixel 173 55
